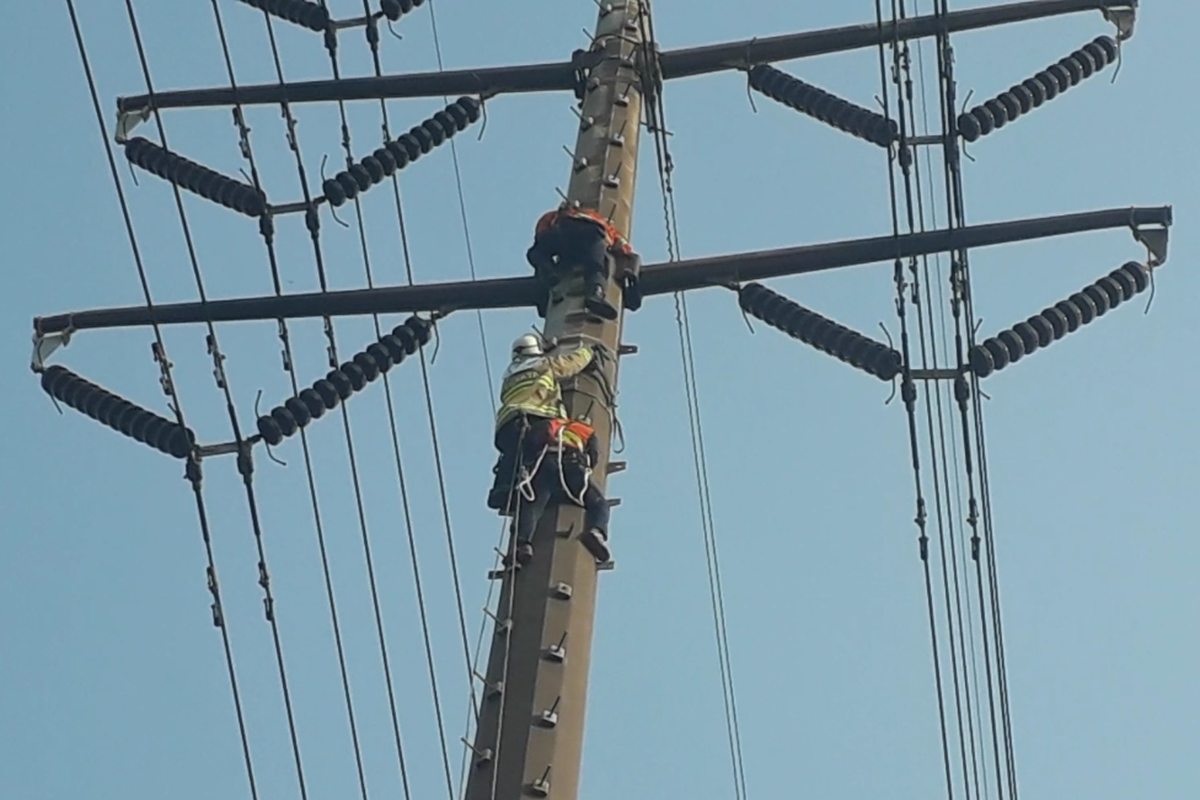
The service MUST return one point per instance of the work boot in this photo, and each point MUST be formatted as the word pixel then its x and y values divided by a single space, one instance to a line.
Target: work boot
pixel 598 304
pixel 596 543
pixel 524 555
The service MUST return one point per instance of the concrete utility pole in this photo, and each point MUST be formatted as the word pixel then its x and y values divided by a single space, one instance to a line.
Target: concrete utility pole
pixel 529 740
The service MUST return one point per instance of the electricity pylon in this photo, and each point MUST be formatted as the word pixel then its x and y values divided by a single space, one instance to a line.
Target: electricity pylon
pixel 529 737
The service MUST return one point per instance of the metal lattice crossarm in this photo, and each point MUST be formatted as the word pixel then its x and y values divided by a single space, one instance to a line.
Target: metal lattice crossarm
pixel 655 279
pixel 567 75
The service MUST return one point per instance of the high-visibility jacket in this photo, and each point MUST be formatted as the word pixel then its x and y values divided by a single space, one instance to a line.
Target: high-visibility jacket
pixel 612 236
pixel 530 385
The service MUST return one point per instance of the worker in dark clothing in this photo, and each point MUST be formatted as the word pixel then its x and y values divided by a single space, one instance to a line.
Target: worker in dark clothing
pixel 571 237
pixel 561 471
pixel 530 397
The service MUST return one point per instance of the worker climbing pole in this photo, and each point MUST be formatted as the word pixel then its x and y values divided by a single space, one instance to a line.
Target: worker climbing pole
pixel 529 739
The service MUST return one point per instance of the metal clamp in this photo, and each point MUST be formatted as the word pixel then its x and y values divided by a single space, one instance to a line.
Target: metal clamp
pixel 44 344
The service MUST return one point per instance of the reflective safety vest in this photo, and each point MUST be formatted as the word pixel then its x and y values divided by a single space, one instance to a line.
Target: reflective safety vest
pixel 570 433
pixel 612 235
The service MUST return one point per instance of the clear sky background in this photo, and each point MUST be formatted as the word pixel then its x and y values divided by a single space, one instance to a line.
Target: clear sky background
pixel 112 675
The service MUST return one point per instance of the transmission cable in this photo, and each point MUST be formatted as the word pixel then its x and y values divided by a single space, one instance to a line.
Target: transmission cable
pixel 218 609
pixel 245 463
pixel 949 509
pixel 908 392
pixel 289 363
pixel 965 330
pixel 665 167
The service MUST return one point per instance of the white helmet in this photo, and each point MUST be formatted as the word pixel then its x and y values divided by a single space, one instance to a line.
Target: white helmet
pixel 526 346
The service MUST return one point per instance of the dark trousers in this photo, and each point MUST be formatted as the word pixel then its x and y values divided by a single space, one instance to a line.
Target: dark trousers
pixel 509 441
pixel 547 486
pixel 575 243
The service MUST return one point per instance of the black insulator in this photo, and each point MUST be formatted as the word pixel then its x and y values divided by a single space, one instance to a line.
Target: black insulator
pixel 820 104
pixel 1112 290
pixel 1044 330
pixel 361 176
pixel 341 383
pixel 1087 306
pixel 269 430
pixel 310 15
pixel 1023 98
pixel 1139 273
pixel 386 160
pixel 1037 90
pixel 424 137
pixel 394 9
pixel 1099 297
pixel 368 365
pixel 118 413
pixel 395 348
pixel 1028 335
pixel 447 122
pixel 998 352
pixel 314 402
pixel 381 355
pixel 189 175
pixel 820 332
pixel 287 423
pixel 411 146
pixel 299 411
pixel 348 184
pixel 435 129
pixel 328 393
pixel 1045 85
pixel 398 154
pixel 999 112
pixel 334 192
pixel 358 378
pixel 1060 319
pixel 1013 344
pixel 981 362
pixel 1073 314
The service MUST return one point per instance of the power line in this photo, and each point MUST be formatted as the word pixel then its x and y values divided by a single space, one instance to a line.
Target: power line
pixel 245 464
pixel 213 583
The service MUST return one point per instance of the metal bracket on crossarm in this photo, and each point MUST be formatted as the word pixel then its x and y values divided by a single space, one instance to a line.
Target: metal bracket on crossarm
pixel 1124 18
pixel 46 343
pixel 1156 240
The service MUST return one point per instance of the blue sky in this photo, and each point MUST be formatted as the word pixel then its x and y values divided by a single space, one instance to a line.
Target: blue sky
pixel 114 680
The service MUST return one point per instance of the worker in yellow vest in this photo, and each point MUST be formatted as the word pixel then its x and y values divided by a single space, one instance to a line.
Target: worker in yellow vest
pixel 570 237
pixel 530 397
pixel 562 471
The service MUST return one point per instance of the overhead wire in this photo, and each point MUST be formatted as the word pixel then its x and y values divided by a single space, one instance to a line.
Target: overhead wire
pixel 212 581
pixel 962 306
pixel 665 166
pixel 950 506
pixel 289 363
pixel 245 463
pixel 908 390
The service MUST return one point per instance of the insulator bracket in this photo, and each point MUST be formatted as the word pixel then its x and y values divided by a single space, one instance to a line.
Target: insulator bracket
pixel 44 344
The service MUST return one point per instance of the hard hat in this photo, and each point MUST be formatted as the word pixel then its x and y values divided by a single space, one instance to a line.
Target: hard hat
pixel 525 346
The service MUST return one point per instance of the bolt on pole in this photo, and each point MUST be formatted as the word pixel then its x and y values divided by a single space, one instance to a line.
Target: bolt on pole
pixel 529 740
